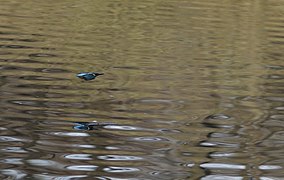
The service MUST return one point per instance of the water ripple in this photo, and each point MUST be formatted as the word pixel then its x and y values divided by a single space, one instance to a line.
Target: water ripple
pixel 119 158
pixel 149 139
pixel 17 161
pixel 58 177
pixel 82 167
pixel 221 177
pixel 222 166
pixel 70 134
pixel 115 169
pixel 16 174
pixel 14 150
pixel 79 156
pixel 218 144
pixel 11 139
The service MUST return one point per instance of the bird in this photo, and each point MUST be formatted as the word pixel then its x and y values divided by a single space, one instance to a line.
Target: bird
pixel 91 125
pixel 88 75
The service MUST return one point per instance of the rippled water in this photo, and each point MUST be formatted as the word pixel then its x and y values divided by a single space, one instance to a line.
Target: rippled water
pixel 192 89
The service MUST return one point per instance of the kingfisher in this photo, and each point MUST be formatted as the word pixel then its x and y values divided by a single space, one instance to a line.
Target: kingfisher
pixel 88 75
pixel 91 125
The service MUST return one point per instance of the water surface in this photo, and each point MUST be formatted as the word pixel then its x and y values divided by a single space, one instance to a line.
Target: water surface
pixel 192 89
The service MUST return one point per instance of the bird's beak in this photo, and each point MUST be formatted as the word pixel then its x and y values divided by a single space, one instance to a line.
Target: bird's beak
pixel 98 74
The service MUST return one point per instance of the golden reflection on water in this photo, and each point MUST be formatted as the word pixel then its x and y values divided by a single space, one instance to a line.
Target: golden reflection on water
pixel 195 89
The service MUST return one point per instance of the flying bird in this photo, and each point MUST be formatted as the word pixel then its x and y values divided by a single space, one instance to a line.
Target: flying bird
pixel 88 75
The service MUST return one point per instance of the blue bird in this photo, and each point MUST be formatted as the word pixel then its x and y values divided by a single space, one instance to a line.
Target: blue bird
pixel 91 125
pixel 88 75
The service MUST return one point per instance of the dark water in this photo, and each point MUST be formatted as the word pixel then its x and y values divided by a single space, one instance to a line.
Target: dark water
pixel 194 89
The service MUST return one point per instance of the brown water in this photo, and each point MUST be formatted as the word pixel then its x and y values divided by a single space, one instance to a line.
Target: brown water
pixel 194 88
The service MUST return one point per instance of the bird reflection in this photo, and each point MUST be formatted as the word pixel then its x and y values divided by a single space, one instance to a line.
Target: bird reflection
pixel 91 125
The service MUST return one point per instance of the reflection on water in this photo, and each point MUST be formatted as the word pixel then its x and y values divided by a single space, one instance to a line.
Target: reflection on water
pixel 192 90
